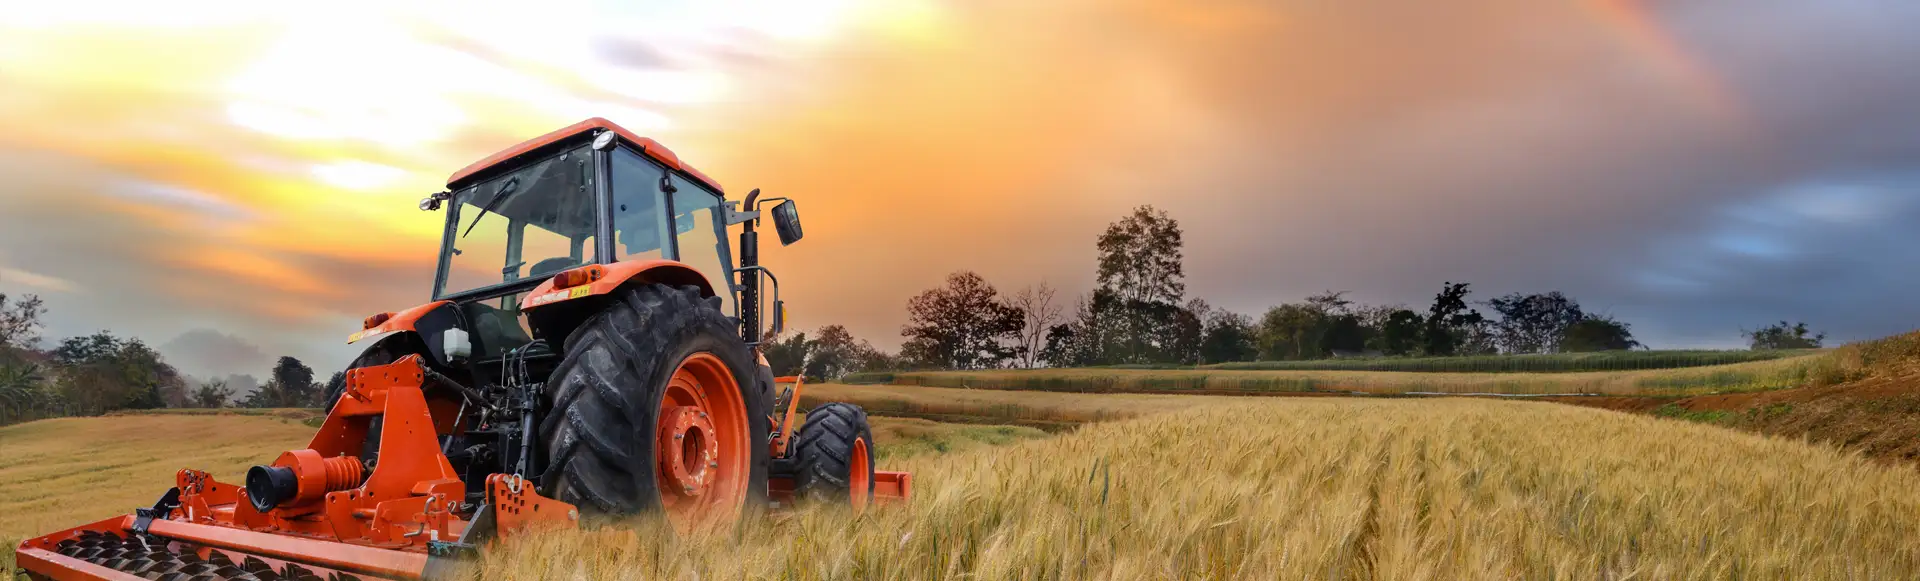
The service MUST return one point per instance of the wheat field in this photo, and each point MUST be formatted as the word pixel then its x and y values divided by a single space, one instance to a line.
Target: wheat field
pixel 60 473
pixel 1217 488
pixel 1324 489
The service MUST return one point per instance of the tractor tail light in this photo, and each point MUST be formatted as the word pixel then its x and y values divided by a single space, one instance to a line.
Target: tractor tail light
pixel 579 276
pixel 376 320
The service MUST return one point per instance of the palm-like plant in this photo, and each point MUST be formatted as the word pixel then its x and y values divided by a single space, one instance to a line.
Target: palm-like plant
pixel 20 386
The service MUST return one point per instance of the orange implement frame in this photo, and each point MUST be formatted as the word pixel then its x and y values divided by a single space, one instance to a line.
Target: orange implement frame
pixel 338 519
pixel 784 432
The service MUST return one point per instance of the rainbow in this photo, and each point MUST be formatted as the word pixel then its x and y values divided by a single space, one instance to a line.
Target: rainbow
pixel 1642 31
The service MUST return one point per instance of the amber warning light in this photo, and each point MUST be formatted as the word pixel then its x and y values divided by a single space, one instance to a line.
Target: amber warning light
pixel 579 276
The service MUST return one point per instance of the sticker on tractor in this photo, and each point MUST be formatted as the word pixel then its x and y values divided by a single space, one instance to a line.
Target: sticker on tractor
pixel 557 296
pixel 367 334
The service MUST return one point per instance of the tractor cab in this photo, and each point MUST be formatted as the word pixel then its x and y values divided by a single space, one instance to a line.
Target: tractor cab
pixel 589 194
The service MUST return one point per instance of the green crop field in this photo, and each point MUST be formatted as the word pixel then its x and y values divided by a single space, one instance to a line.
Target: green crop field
pixel 1548 363
pixel 1750 376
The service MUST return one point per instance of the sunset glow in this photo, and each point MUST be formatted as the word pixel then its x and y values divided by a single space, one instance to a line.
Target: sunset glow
pixel 254 166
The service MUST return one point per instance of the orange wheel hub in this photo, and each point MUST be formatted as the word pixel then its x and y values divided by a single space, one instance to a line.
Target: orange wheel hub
pixel 701 447
pixel 861 481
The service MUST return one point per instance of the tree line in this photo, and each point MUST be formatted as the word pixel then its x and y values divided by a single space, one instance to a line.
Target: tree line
pixel 100 373
pixel 1139 313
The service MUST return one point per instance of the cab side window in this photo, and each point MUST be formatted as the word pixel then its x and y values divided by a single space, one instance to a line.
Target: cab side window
pixel 701 237
pixel 637 217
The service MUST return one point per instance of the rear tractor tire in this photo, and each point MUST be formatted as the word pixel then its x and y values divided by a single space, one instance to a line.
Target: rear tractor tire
pixel 833 456
pixel 652 412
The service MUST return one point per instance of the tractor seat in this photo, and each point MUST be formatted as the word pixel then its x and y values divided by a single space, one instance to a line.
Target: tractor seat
pixel 551 266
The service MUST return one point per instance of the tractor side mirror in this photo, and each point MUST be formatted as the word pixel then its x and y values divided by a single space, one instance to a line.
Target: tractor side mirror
pixel 779 317
pixel 786 220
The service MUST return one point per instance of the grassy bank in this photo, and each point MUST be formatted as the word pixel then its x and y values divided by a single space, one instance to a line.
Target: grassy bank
pixel 1050 411
pixel 1325 489
pixel 1749 376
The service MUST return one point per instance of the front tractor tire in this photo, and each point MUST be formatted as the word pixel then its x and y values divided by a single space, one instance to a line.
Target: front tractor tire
pixel 649 413
pixel 833 456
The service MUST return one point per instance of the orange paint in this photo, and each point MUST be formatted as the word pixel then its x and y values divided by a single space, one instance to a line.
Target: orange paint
pixel 400 321
pixel 614 275
pixel 701 446
pixel 783 433
pixel 647 146
pixel 518 509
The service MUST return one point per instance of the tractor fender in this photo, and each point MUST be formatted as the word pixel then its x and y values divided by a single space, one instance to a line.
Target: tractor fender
pixel 402 321
pixel 611 277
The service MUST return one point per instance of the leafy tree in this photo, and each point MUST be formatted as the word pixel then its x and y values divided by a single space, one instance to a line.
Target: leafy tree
pixel 212 394
pixel 835 353
pixel 1344 334
pixel 963 325
pixel 1292 331
pixel 1187 331
pixel 1140 258
pixel 1139 292
pixel 1331 303
pixel 268 395
pixel 1478 338
pixel 101 372
pixel 1534 323
pixel 1400 333
pixel 289 385
pixel 1782 335
pixel 1597 333
pixel 1450 322
pixel 878 360
pixel 20 322
pixel 296 382
pixel 786 356
pixel 1228 336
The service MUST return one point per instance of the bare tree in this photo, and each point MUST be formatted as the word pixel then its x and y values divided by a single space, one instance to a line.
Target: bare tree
pixel 1038 314
pixel 20 322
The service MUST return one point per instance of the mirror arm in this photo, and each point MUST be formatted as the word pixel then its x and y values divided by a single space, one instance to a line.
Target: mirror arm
pixel 737 217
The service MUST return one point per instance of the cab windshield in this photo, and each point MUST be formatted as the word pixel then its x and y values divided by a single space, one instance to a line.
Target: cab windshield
pixel 531 223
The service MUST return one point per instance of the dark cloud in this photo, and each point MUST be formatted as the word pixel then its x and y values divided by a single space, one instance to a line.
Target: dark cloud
pixel 1523 148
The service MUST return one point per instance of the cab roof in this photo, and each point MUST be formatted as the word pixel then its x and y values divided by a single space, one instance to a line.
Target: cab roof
pixel 648 147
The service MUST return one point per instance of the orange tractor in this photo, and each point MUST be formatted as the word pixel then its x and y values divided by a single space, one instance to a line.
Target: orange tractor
pixel 578 362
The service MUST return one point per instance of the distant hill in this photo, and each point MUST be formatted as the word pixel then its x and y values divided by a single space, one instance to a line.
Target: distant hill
pixel 206 353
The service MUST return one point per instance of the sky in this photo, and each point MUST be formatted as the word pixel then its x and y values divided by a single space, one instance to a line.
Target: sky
pixel 244 174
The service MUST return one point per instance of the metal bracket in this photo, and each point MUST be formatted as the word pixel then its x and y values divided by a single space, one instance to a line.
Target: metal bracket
pixel 143 517
pixel 737 217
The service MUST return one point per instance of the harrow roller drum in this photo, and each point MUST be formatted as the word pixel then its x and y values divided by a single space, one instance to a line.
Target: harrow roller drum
pixel 158 559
